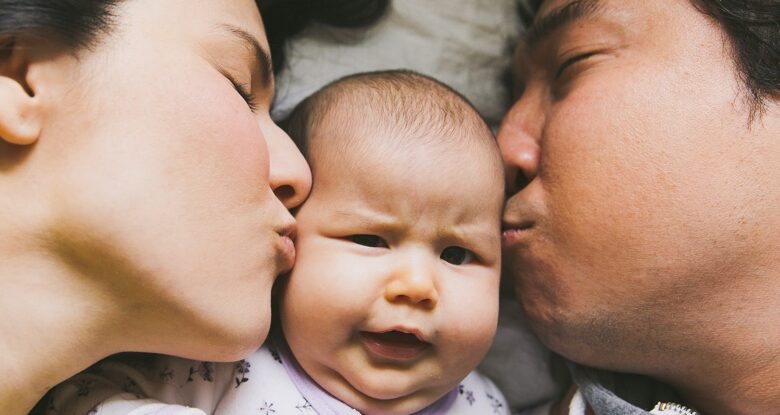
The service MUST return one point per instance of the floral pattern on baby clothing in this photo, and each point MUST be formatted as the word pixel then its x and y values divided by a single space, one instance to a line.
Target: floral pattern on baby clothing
pixel 242 372
pixel 281 386
pixel 261 384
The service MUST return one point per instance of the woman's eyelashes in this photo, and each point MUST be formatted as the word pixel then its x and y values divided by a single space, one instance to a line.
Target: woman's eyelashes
pixel 246 95
pixel 244 91
pixel 371 241
pixel 456 255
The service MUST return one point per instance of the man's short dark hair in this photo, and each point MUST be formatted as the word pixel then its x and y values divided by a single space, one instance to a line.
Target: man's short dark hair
pixel 753 29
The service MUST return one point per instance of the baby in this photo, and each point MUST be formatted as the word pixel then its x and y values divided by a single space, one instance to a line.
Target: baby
pixel 394 297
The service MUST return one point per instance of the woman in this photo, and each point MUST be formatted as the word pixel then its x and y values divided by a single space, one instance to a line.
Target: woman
pixel 145 187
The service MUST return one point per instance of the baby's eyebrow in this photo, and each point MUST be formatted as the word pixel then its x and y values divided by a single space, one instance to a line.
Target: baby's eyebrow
pixel 262 57
pixel 546 25
pixel 369 217
pixel 471 233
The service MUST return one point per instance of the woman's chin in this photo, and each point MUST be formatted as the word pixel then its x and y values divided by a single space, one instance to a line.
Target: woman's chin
pixel 235 335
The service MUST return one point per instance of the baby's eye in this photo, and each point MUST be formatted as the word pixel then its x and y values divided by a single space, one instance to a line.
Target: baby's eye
pixel 456 255
pixel 372 241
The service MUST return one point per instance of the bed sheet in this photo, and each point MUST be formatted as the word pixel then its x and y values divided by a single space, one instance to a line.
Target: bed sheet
pixel 463 43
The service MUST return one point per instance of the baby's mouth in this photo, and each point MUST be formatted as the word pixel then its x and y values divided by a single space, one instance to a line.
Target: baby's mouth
pixel 394 344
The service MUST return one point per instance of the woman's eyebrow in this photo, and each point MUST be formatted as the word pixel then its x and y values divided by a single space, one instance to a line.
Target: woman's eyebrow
pixel 546 25
pixel 262 57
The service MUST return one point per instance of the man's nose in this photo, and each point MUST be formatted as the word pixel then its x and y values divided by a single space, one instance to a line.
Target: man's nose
pixel 414 285
pixel 289 177
pixel 518 139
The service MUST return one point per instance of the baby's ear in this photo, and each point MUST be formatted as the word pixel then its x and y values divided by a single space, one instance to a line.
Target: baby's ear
pixel 20 113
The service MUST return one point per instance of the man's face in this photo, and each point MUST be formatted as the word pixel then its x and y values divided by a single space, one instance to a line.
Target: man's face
pixel 165 177
pixel 394 295
pixel 636 191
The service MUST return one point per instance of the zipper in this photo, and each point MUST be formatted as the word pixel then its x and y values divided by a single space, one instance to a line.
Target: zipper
pixel 670 408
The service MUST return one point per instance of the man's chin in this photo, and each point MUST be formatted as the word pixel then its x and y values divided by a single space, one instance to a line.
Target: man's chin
pixel 578 335
pixel 547 316
pixel 542 320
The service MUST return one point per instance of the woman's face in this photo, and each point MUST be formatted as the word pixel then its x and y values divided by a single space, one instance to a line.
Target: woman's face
pixel 170 189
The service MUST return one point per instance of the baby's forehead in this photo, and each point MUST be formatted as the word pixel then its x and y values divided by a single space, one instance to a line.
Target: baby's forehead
pixel 378 138
pixel 384 114
pixel 393 119
pixel 395 99
pixel 397 174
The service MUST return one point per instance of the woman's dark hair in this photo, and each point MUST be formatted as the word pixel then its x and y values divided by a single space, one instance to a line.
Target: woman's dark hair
pixel 79 23
pixel 74 23
pixel 752 29
pixel 285 18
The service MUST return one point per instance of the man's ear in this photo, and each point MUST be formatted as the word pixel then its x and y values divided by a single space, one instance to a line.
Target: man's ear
pixel 20 112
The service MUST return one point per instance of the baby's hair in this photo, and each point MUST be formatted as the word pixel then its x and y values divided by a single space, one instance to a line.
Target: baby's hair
pixel 407 104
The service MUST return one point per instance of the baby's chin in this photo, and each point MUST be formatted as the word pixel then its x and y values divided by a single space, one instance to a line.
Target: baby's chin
pixel 404 405
pixel 393 397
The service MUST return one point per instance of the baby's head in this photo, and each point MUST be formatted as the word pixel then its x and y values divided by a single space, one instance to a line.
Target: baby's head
pixel 394 295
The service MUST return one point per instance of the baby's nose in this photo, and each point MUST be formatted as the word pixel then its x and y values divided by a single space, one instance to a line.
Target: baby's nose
pixel 415 286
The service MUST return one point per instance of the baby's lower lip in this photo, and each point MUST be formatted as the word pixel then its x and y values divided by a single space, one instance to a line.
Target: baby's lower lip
pixel 393 345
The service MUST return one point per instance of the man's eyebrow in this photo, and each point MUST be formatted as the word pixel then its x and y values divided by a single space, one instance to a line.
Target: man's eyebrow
pixel 546 25
pixel 262 56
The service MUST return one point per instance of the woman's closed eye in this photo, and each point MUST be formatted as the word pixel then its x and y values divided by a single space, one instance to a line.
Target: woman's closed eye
pixel 246 95
pixel 456 255
pixel 371 241
pixel 244 91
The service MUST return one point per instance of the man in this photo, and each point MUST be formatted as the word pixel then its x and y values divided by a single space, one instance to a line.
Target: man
pixel 642 227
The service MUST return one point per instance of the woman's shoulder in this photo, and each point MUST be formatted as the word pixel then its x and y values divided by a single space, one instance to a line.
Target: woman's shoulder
pixel 130 380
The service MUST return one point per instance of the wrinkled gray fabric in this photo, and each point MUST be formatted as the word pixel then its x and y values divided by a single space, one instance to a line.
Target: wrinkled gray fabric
pixel 519 364
pixel 466 44
pixel 610 393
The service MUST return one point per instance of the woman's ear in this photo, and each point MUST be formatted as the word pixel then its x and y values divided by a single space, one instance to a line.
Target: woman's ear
pixel 20 112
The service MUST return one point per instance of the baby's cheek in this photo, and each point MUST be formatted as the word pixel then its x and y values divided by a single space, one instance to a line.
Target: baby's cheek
pixel 473 313
pixel 468 335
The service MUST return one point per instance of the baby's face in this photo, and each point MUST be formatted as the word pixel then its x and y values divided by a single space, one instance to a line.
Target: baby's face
pixel 394 295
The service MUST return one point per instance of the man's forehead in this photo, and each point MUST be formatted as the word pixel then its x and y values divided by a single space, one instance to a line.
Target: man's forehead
pixel 546 7
pixel 555 14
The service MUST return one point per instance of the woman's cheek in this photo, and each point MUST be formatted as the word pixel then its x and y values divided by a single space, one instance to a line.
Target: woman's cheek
pixel 230 139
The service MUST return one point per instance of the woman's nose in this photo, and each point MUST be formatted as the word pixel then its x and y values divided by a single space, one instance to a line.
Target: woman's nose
pixel 518 139
pixel 289 177
pixel 414 285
